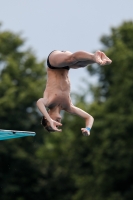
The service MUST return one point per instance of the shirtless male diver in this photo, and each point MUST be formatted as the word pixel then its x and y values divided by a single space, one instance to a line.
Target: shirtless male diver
pixel 56 96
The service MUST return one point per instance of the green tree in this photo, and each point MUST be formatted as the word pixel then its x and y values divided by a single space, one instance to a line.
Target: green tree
pixel 110 160
pixel 22 80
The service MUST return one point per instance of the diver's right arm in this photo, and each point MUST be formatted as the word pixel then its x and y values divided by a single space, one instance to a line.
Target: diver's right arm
pixel 41 106
pixel 41 103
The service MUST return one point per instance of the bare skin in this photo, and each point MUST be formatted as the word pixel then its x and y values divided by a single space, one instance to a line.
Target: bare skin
pixel 56 96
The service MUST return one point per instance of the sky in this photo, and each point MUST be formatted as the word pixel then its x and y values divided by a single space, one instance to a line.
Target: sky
pixel 71 25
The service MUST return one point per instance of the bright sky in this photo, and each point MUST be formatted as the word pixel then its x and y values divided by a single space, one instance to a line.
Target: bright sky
pixel 64 25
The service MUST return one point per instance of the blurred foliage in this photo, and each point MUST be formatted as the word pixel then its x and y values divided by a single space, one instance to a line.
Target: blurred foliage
pixel 67 165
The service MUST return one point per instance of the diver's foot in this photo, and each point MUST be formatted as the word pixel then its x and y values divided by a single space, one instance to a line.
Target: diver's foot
pixel 101 58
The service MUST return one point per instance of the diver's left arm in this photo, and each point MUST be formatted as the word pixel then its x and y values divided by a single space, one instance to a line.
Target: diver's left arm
pixel 87 117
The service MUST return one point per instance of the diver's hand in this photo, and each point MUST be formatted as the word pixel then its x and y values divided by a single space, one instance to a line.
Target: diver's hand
pixel 54 125
pixel 85 132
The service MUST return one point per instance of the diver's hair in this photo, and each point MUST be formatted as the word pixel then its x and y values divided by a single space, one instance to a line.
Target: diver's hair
pixel 44 123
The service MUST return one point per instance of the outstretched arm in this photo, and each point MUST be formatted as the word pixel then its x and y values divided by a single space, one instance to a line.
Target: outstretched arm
pixel 78 59
pixel 88 118
pixel 41 106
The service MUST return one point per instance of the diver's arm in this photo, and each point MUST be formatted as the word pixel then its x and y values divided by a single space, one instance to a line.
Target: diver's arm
pixel 87 117
pixel 41 106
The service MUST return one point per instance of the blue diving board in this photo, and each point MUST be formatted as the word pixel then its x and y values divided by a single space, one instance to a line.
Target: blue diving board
pixel 10 134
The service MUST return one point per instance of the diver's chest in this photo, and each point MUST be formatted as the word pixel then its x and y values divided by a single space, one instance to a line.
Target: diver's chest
pixel 62 100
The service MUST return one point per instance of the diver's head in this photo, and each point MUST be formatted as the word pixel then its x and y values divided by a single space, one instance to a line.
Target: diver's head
pixel 53 115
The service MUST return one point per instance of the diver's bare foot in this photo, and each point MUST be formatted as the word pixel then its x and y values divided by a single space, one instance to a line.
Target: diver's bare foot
pixel 101 58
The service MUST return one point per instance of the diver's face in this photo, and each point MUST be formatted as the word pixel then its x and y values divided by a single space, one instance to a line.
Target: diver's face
pixel 56 117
